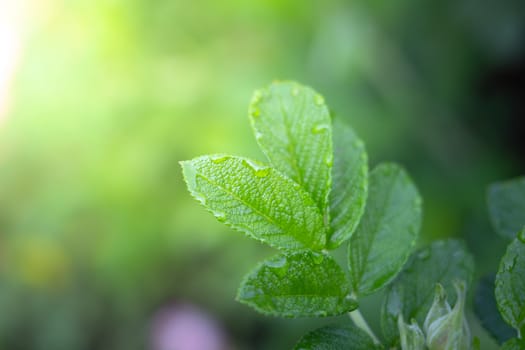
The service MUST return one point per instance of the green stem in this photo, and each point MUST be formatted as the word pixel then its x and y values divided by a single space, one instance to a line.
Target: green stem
pixel 360 322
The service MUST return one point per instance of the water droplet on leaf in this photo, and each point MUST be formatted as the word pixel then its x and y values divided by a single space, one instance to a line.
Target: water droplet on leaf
pixel 320 128
pixel 200 197
pixel 521 235
pixel 219 159
pixel 259 170
pixel 277 263
pixel 317 258
pixel 319 100
pixel 220 216
pixel 329 160
pixel 424 254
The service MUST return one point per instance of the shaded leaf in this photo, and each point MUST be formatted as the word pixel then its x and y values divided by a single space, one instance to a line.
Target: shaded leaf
pixel 350 184
pixel 387 232
pixel 514 344
pixel 300 284
pixel 412 293
pixel 487 311
pixel 337 337
pixel 257 200
pixel 506 201
pixel 510 284
pixel 293 127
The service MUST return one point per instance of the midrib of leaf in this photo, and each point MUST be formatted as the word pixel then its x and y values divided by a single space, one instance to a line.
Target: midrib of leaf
pixel 250 205
pixel 378 224
pixel 294 158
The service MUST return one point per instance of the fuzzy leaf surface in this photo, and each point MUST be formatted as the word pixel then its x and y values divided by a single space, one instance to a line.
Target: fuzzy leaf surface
pixel 257 200
pixel 510 284
pixel 293 128
pixel 300 284
pixel 387 232
pixel 350 184
pixel 336 337
pixel 412 292
pixel 487 311
pixel 506 201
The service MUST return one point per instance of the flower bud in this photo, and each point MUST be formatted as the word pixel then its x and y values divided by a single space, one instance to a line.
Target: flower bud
pixel 439 308
pixel 450 330
pixel 412 338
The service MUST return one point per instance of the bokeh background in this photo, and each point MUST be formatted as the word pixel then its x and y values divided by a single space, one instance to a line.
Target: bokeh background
pixel 101 246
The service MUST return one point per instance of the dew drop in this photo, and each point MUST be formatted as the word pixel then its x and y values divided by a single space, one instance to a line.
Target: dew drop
pixel 262 172
pixel 424 254
pixel 319 100
pixel 258 169
pixel 257 97
pixel 329 160
pixel 220 216
pixel 317 258
pixel 217 159
pixel 277 263
pixel 258 135
pixel 200 197
pixel 319 128
pixel 521 235
pixel 321 313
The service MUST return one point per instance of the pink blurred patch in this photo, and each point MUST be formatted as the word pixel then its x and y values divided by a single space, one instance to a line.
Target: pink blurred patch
pixel 185 327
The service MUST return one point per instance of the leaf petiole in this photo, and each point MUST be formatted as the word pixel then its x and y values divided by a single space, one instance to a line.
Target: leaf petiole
pixel 360 322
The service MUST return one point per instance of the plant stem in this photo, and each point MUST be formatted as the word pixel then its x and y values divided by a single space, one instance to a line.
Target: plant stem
pixel 360 322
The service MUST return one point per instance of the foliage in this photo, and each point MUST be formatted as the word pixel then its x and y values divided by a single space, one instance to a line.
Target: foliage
pixel 288 204
pixel 506 202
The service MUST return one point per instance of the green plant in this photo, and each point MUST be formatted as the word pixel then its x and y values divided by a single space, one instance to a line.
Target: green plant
pixel 501 299
pixel 314 195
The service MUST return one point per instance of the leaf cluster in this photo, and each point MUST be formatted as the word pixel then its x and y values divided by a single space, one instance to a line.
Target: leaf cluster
pixel 313 194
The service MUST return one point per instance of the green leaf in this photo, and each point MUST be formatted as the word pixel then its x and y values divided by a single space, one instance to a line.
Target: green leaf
pixel 486 310
pixel 257 200
pixel 506 201
pixel 387 232
pixel 514 344
pixel 412 293
pixel 337 337
pixel 350 184
pixel 301 284
pixel 292 126
pixel 510 284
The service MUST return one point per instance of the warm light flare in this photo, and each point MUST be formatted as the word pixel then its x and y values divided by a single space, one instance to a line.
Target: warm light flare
pixel 12 17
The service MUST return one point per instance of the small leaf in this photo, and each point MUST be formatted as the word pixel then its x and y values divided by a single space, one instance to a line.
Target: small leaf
pixel 487 311
pixel 350 184
pixel 387 232
pixel 257 200
pixel 412 293
pixel 510 284
pixel 506 202
pixel 337 337
pixel 412 337
pixel 301 284
pixel 292 126
pixel 514 344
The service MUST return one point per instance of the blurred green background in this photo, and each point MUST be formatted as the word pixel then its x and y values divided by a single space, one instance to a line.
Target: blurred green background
pixel 98 235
